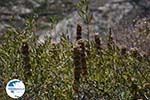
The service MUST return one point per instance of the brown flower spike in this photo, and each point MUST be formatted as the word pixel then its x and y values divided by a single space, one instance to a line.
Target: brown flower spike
pixel 77 68
pixel 98 43
pixel 26 59
pixel 79 58
pixel 79 30
pixel 83 58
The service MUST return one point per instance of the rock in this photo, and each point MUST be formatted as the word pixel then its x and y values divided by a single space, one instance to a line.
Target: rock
pixel 106 13
pixel 109 15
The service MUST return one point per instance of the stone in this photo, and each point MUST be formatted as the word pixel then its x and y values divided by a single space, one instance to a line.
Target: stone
pixel 110 14
pixel 106 13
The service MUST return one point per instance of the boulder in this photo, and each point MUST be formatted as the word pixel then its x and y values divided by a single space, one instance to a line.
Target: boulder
pixel 105 14
pixel 112 13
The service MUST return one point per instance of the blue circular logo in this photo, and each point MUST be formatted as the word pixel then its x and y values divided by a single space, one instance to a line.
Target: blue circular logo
pixel 15 88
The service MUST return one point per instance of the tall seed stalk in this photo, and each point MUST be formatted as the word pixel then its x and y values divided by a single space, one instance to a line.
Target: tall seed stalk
pixel 83 59
pixel 81 44
pixel 77 68
pixel 26 59
pixel 110 43
pixel 79 58
pixel 79 34
pixel 98 43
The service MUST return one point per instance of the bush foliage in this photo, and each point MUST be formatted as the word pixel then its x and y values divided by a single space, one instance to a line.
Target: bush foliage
pixel 113 73
pixel 80 70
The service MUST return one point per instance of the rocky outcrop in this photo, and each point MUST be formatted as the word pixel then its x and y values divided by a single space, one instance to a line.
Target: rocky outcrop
pixel 106 13
pixel 112 13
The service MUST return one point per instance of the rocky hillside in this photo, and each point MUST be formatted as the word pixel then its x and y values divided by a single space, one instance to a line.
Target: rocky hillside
pixel 105 14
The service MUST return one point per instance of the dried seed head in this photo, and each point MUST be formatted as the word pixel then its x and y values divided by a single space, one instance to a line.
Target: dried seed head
pixel 79 32
pixel 77 56
pixel 26 59
pixel 110 43
pixel 110 35
pixel 123 51
pixel 80 43
pixel 79 60
pixel 77 67
pixel 98 42
pixel 97 38
pixel 83 58
pixel 25 48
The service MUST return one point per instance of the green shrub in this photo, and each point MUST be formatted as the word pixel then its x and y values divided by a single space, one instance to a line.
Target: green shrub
pixel 115 73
